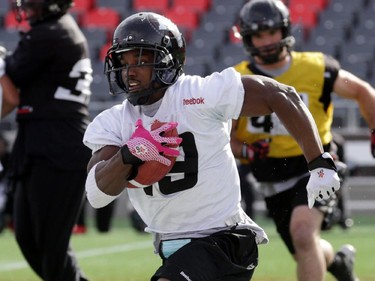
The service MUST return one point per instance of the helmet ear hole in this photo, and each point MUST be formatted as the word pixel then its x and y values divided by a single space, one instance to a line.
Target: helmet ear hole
pixel 167 76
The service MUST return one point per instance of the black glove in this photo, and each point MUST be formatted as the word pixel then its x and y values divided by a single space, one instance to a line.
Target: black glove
pixel 129 158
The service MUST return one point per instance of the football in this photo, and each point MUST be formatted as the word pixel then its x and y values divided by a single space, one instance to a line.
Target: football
pixel 151 172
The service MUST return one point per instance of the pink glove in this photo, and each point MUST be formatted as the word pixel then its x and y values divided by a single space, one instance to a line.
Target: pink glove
pixel 373 142
pixel 256 150
pixel 146 145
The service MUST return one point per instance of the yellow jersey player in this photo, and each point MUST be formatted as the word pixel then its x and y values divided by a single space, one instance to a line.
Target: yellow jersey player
pixel 265 29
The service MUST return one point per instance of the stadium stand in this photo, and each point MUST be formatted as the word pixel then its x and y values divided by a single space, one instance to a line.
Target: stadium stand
pixel 97 38
pixel 151 5
pixel 11 24
pixel 199 6
pixel 83 6
pixel 124 7
pixel 102 17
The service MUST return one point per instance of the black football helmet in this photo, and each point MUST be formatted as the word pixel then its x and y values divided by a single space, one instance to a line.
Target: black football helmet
pixel 260 15
pixel 146 31
pixel 44 9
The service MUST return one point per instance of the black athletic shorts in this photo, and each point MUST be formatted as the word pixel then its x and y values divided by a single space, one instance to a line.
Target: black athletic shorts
pixel 229 255
pixel 280 209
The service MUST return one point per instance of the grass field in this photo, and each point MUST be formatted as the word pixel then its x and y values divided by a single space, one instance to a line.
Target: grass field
pixel 125 255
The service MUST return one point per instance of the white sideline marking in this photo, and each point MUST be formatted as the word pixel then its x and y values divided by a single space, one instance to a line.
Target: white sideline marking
pixel 85 254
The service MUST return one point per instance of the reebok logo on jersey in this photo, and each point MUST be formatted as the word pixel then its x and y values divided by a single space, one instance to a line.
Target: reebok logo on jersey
pixel 193 101
pixel 185 276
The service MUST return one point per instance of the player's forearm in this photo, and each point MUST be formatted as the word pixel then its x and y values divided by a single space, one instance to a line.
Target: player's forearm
pixel 111 175
pixel 106 180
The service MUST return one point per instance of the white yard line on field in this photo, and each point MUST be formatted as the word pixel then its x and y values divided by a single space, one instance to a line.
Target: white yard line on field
pixel 7 266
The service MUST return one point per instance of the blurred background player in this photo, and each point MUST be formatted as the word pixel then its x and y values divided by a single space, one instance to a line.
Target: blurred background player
pixel 52 70
pixel 265 30
pixel 258 149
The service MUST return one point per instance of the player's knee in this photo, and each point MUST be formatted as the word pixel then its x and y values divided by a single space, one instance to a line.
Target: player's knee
pixel 303 235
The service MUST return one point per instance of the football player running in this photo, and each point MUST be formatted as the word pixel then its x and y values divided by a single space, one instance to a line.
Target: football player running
pixel 199 228
pixel 265 29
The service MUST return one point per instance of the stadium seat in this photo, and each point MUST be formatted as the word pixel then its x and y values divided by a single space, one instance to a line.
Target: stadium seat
pixel 332 30
pixel 105 18
pixel 238 3
pixel 222 17
pixel 99 86
pixel 229 55
pixel 343 11
pixel 10 22
pixel 366 26
pixel 158 6
pixel 200 6
pixel 124 7
pixel 5 6
pixel 186 19
pixel 302 14
pixel 82 6
pixel 315 5
pixel 103 51
pixel 358 55
pixel 201 50
pixel 300 36
pixel 97 38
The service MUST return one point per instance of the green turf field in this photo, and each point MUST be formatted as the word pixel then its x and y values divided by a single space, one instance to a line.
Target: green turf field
pixel 125 255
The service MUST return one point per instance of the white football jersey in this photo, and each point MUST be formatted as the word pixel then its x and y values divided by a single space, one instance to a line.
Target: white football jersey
pixel 202 191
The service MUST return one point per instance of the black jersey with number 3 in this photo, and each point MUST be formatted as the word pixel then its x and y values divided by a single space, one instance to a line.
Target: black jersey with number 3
pixel 52 70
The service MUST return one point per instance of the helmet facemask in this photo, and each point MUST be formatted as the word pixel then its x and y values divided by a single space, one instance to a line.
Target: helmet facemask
pixel 269 54
pixel 163 73
pixel 145 32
